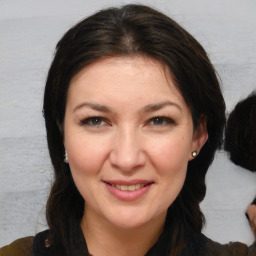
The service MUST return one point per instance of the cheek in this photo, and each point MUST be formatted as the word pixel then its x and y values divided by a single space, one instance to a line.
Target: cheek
pixel 86 156
pixel 171 160
pixel 170 155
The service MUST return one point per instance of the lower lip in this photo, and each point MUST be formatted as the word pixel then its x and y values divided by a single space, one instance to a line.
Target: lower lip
pixel 126 195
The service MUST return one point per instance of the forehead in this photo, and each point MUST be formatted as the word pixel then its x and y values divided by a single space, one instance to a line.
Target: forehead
pixel 125 80
pixel 133 66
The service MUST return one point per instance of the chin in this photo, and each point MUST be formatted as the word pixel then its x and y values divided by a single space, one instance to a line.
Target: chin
pixel 128 223
pixel 127 219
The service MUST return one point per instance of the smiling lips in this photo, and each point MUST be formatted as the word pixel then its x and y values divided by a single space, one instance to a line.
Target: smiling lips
pixel 129 187
pixel 128 191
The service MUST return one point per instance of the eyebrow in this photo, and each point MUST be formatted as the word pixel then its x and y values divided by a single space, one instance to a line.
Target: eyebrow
pixel 93 106
pixel 158 106
pixel 146 109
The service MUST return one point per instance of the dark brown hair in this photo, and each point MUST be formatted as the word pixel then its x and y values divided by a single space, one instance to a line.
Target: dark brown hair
pixel 133 30
pixel 240 133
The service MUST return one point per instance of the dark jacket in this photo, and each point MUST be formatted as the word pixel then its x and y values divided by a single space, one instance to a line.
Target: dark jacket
pixel 34 246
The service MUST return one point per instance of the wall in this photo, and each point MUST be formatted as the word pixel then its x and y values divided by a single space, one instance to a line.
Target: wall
pixel 29 30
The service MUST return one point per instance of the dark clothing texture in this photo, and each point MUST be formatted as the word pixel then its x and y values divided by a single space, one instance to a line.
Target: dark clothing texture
pixel 20 247
pixel 35 246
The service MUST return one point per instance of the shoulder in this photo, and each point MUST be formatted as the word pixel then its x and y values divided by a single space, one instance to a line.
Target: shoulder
pixel 211 248
pixel 30 246
pixel 21 247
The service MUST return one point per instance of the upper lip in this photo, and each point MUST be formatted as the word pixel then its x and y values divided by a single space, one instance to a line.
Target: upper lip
pixel 129 182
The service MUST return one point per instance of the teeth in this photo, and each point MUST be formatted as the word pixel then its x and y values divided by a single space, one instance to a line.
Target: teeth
pixel 130 187
pixel 123 187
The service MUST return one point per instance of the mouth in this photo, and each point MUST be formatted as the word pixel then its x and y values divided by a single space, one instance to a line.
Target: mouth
pixel 128 191
pixel 129 187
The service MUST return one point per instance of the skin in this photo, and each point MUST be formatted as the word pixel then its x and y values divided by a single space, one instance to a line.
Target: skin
pixel 125 120
pixel 251 211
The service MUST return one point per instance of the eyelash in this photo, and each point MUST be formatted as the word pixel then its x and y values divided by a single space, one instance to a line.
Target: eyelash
pixel 97 121
pixel 162 119
pixel 90 121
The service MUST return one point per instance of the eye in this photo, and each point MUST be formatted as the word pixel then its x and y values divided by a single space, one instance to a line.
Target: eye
pixel 93 121
pixel 159 121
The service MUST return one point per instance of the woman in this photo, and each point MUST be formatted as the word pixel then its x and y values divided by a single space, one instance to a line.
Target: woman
pixel 134 114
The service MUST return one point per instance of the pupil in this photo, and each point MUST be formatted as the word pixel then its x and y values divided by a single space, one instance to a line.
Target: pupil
pixel 158 120
pixel 96 121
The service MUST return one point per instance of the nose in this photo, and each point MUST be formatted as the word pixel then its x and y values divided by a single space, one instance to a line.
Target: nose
pixel 127 152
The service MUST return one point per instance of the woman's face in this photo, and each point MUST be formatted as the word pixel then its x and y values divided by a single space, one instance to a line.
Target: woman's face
pixel 129 136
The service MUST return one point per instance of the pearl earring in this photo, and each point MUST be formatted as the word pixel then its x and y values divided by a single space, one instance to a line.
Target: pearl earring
pixel 194 153
pixel 65 157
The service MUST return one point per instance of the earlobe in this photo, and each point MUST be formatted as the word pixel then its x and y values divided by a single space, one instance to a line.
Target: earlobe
pixel 199 138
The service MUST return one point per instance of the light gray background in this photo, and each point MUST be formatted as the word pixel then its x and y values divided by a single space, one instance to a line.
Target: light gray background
pixel 29 30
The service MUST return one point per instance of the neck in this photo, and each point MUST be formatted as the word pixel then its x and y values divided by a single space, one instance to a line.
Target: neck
pixel 105 239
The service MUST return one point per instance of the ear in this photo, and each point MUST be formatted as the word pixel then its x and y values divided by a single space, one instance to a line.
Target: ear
pixel 200 136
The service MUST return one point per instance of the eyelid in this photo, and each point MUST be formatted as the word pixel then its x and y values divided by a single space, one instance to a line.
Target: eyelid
pixel 85 121
pixel 165 119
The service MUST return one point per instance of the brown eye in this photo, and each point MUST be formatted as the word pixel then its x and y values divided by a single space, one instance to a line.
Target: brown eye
pixel 93 121
pixel 158 121
pixel 161 120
